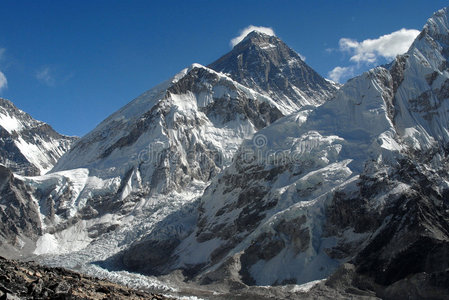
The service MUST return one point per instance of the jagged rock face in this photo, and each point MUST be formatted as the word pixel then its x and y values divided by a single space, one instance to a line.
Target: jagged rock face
pixel 400 216
pixel 267 65
pixel 20 220
pixel 411 227
pixel 28 147
pixel 362 178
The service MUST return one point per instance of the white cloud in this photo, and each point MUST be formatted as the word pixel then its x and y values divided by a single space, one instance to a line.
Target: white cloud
pixel 340 72
pixel 45 76
pixel 3 81
pixel 386 46
pixel 370 51
pixel 244 32
pixel 303 58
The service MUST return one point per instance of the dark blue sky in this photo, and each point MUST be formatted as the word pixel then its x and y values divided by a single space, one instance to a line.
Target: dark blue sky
pixel 72 63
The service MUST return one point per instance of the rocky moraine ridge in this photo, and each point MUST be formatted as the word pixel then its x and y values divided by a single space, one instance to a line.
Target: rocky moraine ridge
pixel 27 280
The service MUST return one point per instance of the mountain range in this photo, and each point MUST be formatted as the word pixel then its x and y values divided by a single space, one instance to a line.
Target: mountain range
pixel 253 171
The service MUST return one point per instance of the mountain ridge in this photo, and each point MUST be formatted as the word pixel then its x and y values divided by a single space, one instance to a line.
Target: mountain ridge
pixel 29 147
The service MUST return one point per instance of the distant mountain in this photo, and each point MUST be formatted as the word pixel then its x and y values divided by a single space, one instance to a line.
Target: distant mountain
pixel 267 65
pixel 28 146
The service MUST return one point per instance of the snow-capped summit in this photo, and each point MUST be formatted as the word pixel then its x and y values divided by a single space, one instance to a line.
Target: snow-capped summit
pixel 248 30
pixel 421 79
pixel 266 64
pixel 28 146
pixel 257 37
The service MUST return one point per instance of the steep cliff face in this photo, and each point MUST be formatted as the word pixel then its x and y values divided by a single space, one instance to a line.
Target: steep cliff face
pixel 21 223
pixel 28 146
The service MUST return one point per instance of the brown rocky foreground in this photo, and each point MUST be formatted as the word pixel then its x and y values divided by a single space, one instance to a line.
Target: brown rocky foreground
pixel 28 280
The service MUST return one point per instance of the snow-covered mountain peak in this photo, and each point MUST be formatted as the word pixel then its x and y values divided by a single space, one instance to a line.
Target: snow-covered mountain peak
pixel 267 65
pixel 258 38
pixel 13 119
pixel 438 25
pixel 173 138
pixel 421 81
pixel 28 146
pixel 432 44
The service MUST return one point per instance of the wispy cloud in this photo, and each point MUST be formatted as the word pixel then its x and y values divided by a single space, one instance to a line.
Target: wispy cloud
pixel 370 51
pixel 244 32
pixel 3 80
pixel 303 58
pixel 45 76
pixel 338 73
pixel 386 46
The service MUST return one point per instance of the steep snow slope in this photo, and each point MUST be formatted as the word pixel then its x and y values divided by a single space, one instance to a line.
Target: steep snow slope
pixel 421 76
pixel 267 65
pixel 28 146
pixel 185 129
pixel 362 178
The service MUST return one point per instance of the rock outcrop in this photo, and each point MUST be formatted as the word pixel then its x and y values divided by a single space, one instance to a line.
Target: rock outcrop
pixel 28 280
